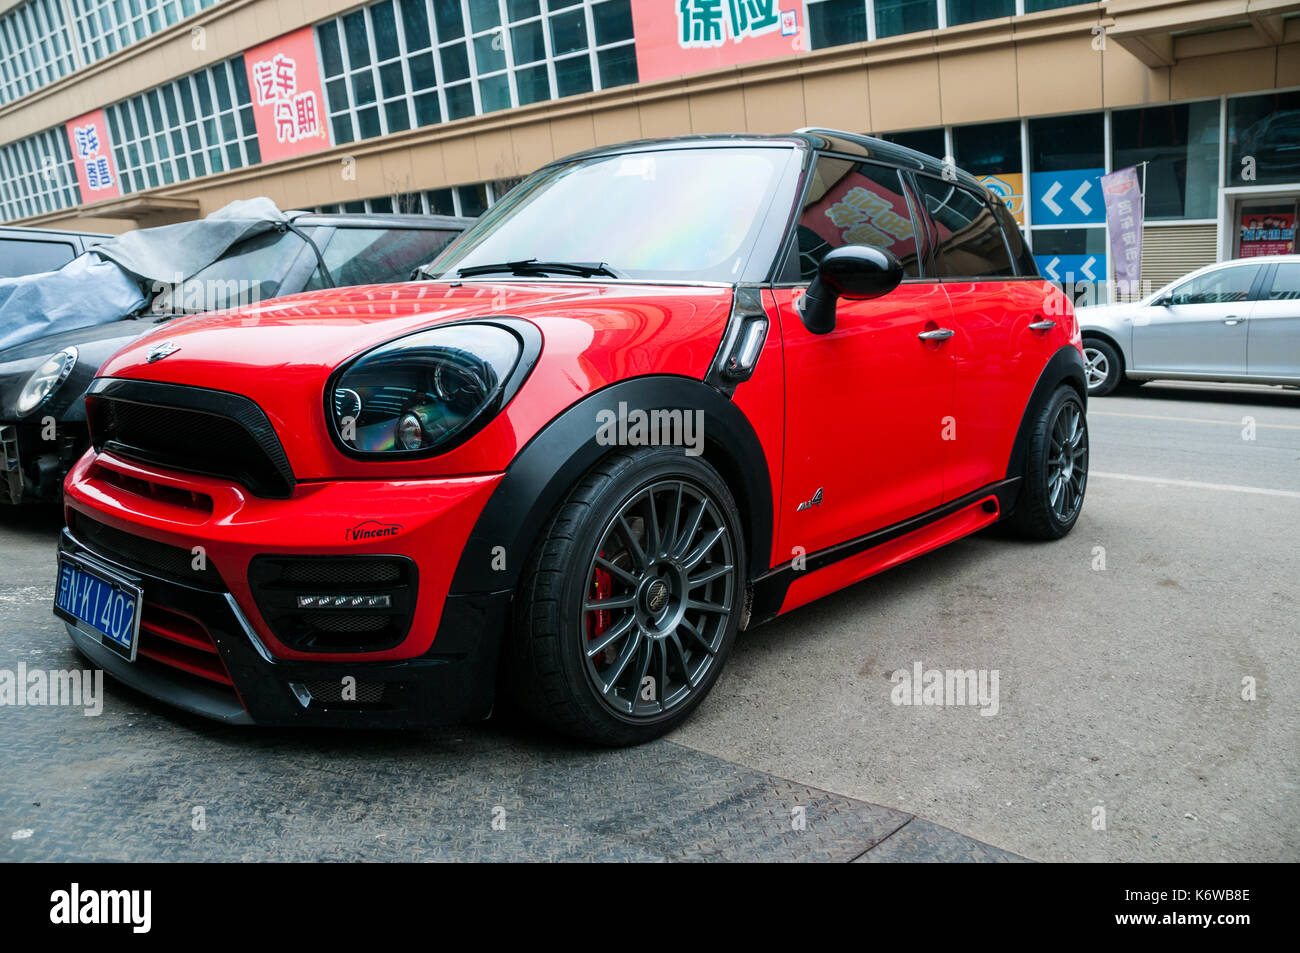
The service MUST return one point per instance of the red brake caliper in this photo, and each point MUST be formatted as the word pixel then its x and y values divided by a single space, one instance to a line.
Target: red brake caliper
pixel 602 586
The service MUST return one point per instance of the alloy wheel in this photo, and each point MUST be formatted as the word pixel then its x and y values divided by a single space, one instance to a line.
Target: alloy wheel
pixel 1067 462
pixel 1097 366
pixel 661 589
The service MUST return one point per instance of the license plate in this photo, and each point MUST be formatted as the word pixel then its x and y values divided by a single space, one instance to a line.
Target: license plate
pixel 100 603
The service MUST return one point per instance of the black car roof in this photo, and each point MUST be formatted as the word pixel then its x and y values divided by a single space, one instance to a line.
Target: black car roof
pixel 827 140
pixel 380 220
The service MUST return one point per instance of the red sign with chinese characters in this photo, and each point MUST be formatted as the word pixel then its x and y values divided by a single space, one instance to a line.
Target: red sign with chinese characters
pixel 676 37
pixel 92 152
pixel 288 105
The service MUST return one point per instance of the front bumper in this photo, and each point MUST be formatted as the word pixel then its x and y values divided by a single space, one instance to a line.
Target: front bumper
pixel 450 685
pixel 213 654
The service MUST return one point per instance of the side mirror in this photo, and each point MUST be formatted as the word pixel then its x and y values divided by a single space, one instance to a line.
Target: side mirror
pixel 1164 302
pixel 854 271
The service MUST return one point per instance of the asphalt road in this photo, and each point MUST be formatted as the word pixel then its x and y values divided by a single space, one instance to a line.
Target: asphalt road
pixel 1120 688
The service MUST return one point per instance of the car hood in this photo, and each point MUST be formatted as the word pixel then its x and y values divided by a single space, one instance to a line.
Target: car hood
pixel 281 353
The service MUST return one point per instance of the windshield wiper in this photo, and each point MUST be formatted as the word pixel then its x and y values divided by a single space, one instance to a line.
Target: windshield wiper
pixel 531 266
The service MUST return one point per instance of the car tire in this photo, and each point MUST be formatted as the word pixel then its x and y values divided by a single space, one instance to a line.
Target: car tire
pixel 1104 367
pixel 656 535
pixel 1055 475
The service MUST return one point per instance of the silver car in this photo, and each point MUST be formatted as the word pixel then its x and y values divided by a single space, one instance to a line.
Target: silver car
pixel 1237 321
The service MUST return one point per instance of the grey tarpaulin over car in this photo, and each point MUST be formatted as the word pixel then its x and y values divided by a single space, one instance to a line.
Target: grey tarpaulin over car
pixel 120 276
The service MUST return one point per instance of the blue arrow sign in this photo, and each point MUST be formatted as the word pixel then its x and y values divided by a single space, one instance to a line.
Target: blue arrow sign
pixel 1072 197
pixel 1072 268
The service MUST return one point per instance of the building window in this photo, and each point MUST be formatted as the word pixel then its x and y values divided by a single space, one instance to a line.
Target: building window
pixel 399 64
pixel 1061 143
pixel 990 148
pixel 836 22
pixel 1033 6
pixel 35 48
pixel 193 126
pixel 1180 146
pixel 968 11
pixel 895 17
pixel 106 26
pixel 37 175
pixel 927 141
pixel 1263 139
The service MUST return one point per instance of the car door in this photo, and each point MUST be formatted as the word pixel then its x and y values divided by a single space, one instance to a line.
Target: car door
pixel 1199 327
pixel 1273 331
pixel 1005 328
pixel 864 403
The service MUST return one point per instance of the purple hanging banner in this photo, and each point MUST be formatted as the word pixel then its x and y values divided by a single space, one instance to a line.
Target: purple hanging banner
pixel 1123 195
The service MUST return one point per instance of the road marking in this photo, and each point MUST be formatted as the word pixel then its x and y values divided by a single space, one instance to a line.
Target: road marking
pixel 1190 420
pixel 1196 485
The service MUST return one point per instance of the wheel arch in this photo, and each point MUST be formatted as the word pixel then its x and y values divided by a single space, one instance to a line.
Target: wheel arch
pixel 1064 367
pixel 544 472
pixel 1113 342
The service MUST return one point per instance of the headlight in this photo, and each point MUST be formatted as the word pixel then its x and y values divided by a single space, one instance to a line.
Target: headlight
pixel 424 392
pixel 46 380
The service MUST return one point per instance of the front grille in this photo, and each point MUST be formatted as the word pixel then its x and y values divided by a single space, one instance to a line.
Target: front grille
pixel 278 581
pixel 191 429
pixel 145 555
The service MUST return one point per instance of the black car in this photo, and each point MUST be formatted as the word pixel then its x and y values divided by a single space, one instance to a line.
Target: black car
pixel 42 381
pixel 28 251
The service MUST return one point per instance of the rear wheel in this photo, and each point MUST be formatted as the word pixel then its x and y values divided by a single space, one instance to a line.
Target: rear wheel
pixel 1056 469
pixel 630 603
pixel 1105 368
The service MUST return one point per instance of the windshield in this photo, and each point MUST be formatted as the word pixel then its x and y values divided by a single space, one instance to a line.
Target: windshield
pixel 673 215
pixel 247 273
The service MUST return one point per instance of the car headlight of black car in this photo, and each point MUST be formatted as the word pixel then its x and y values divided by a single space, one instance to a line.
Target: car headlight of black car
pixel 46 380
pixel 423 393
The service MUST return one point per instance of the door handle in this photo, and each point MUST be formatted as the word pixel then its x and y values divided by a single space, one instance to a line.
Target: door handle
pixel 1042 325
pixel 1232 320
pixel 938 334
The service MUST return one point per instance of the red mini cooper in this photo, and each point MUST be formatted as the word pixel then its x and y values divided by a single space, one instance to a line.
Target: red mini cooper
pixel 662 392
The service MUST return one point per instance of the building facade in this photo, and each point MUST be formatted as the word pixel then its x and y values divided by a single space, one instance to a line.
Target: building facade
pixel 123 113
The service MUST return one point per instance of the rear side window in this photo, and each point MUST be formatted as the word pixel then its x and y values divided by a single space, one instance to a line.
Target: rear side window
pixel 1020 251
pixel 20 257
pixel 1286 282
pixel 373 256
pixel 855 203
pixel 970 240
pixel 1222 286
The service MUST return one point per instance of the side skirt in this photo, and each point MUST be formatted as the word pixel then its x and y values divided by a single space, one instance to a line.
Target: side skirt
pixel 785 587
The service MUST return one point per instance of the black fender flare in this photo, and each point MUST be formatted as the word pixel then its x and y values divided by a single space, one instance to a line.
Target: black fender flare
pixel 1065 367
pixel 542 474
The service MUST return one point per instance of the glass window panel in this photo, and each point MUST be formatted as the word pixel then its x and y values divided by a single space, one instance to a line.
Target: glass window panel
pixel 1180 145
pixel 427 109
pixel 895 17
pixel 532 84
pixel 573 76
pixel 368 122
pixel 385 26
pixel 415 23
pixel 358 38
pixel 968 11
pixel 398 115
pixel 455 62
pixel 392 80
pixel 527 43
pixel 834 22
pixel 522 9
pixel 483 14
pixel 927 141
pixel 568 32
pixel 1061 143
pixel 613 21
pixel 971 244
pixel 494 93
pixel 489 53
pixel 460 101
pixel 448 20
pixel 989 148
pixel 1221 286
pixel 423 74
pixel 617 66
pixel 1263 139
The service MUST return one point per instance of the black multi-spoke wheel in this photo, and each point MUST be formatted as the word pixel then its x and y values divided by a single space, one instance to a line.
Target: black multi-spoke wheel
pixel 1056 469
pixel 1067 461
pixel 661 591
pixel 631 601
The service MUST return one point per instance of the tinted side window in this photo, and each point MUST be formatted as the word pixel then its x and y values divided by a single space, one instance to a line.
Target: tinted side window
pixel 1225 286
pixel 1020 251
pixel 1286 282
pixel 248 272
pixel 370 256
pixel 21 257
pixel 970 239
pixel 855 203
